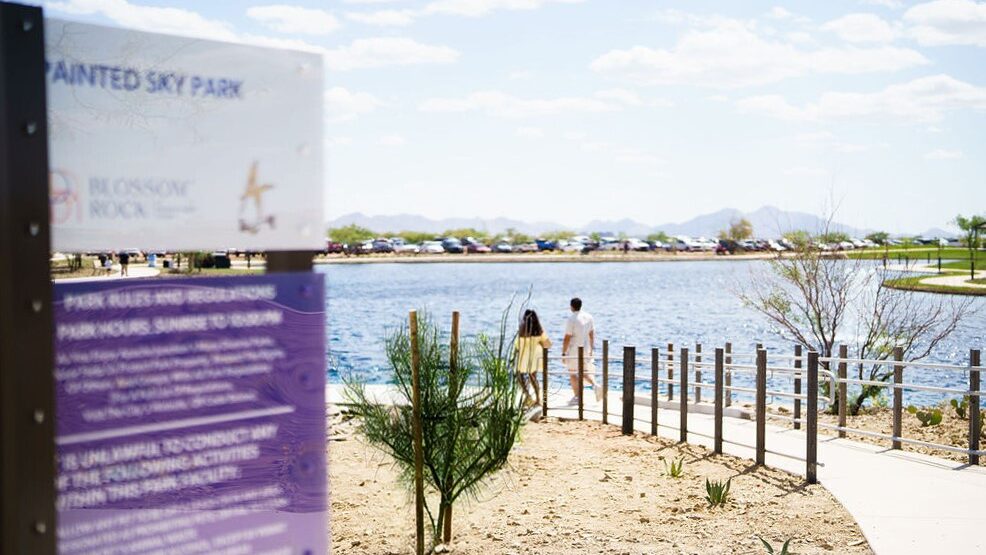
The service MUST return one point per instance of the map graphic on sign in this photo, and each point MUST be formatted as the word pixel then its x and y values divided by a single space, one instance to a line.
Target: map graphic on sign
pixel 175 143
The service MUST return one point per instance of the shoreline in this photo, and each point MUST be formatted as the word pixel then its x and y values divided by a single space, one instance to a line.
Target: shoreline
pixel 493 258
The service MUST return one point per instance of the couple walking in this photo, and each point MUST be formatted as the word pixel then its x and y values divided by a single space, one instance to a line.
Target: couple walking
pixel 531 338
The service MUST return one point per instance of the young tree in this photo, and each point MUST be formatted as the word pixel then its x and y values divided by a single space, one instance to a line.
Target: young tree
pixel 350 234
pixel 819 302
pixel 559 235
pixel 973 226
pixel 416 237
pixel 471 413
pixel 739 230
pixel 800 238
pixel 879 237
pixel 659 236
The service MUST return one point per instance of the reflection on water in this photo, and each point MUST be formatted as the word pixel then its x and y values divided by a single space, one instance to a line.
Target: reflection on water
pixel 644 304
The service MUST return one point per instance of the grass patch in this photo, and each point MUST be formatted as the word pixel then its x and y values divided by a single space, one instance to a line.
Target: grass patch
pixel 979 281
pixel 210 272
pixel 914 284
pixel 916 253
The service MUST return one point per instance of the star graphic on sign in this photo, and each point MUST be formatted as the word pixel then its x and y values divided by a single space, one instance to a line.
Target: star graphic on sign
pixel 254 191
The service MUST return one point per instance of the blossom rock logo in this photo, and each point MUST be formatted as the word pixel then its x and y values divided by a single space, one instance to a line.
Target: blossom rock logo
pixel 63 198
pixel 254 192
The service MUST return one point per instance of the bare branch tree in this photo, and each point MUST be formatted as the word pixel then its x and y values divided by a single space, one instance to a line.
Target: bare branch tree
pixel 819 300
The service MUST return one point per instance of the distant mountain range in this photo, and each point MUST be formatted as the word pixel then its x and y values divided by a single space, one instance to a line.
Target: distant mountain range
pixel 767 221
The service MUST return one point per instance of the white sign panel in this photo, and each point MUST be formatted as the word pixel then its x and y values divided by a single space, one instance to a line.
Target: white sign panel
pixel 175 143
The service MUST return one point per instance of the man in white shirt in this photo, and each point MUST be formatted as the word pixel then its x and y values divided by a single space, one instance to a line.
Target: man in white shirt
pixel 579 332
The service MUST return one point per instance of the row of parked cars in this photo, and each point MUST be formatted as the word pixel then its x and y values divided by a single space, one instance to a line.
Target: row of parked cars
pixel 585 244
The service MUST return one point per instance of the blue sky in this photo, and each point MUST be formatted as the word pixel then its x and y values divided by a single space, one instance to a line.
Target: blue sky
pixel 574 110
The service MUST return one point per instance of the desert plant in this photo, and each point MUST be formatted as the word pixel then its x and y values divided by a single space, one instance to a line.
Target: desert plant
pixel 770 548
pixel 717 493
pixel 929 417
pixel 961 407
pixel 675 468
pixel 470 414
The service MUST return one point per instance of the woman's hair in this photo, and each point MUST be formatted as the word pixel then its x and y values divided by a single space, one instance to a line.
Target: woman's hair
pixel 530 326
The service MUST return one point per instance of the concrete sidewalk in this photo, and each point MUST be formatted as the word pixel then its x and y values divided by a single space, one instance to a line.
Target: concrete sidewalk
pixel 904 502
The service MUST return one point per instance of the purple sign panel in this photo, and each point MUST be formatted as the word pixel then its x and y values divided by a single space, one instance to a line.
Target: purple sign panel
pixel 191 416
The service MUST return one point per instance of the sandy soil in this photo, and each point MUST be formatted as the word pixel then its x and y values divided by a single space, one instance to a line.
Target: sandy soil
pixel 952 430
pixel 583 488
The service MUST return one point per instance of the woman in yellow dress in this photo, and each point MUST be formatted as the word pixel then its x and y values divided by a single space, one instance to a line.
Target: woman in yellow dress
pixel 528 346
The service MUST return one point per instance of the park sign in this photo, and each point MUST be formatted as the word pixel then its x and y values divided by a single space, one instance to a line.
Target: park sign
pixel 161 142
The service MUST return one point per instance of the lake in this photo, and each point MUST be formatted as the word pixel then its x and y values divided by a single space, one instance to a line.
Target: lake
pixel 646 304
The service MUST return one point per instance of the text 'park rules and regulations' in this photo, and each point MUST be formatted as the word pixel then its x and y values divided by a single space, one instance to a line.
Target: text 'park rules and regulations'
pixel 191 416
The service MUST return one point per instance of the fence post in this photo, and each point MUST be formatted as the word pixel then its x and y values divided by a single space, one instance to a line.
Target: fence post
pixel 605 381
pixel 974 416
pixel 655 367
pixel 419 496
pixel 698 372
pixel 761 405
pixel 843 387
pixel 898 399
pixel 581 392
pixel 544 382
pixel 797 387
pixel 717 445
pixel 671 371
pixel 811 450
pixel 629 365
pixel 729 375
pixel 683 397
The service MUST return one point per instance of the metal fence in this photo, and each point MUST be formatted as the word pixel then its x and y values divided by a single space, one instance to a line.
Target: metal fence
pixel 803 369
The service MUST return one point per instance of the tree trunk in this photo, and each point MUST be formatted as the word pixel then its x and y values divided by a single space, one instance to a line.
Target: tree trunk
pixel 447 532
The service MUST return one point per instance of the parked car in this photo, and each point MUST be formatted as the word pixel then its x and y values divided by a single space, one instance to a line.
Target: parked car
pixel 381 246
pixel 659 246
pixel 572 246
pixel 503 247
pixel 472 245
pixel 637 245
pixel 775 246
pixel 403 247
pixel 452 245
pixel 431 247
pixel 546 245
pixel 332 247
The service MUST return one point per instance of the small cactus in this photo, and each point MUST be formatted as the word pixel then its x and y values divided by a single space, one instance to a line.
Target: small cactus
pixel 961 407
pixel 675 469
pixel 717 493
pixel 930 417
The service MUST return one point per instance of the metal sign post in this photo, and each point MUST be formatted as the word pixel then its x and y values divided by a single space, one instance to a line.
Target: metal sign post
pixel 27 447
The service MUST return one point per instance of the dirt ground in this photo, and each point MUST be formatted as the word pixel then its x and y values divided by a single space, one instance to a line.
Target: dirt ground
pixel 582 488
pixel 952 431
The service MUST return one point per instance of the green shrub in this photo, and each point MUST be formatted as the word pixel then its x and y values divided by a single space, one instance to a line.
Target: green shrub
pixel 930 417
pixel 717 493
pixel 675 469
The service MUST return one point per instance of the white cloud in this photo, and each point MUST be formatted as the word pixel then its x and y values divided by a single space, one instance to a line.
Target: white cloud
pixel 782 14
pixel 530 132
pixel 477 8
pixel 862 27
pixel 386 51
pixel 733 53
pixel 926 99
pixel 392 140
pixel 344 105
pixel 175 21
pixel 284 18
pixel 944 22
pixel 943 154
pixel 828 140
pixel 384 18
pixel 520 75
pixel 892 4
pixel 504 105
